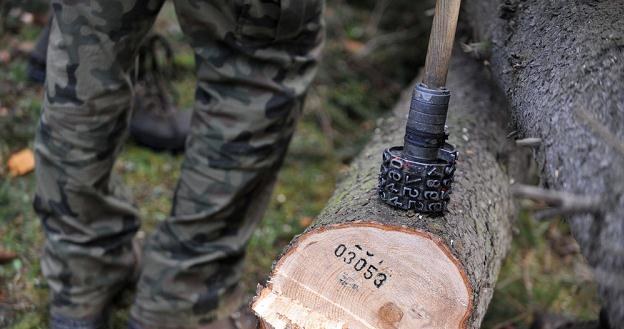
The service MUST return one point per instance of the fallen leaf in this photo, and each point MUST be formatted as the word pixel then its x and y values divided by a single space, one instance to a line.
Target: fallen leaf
pixel 305 221
pixel 21 163
pixel 5 56
pixel 353 46
pixel 7 257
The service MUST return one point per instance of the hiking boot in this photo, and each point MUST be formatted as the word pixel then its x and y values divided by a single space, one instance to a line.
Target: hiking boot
pixel 156 122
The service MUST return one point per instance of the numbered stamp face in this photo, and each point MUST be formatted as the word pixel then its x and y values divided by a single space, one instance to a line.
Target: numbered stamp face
pixel 364 275
pixel 423 187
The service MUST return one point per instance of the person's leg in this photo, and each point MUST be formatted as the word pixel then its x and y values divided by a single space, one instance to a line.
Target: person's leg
pixel 87 220
pixel 255 62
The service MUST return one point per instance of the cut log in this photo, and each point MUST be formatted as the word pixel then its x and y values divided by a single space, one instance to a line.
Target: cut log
pixel 561 64
pixel 364 264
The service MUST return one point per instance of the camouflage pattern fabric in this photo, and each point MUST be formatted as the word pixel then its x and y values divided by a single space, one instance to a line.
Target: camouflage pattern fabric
pixel 255 60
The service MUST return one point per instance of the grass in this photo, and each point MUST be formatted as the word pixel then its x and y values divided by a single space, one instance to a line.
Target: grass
pixel 543 272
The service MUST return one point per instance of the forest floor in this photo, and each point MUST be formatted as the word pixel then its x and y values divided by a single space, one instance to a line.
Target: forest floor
pixel 363 71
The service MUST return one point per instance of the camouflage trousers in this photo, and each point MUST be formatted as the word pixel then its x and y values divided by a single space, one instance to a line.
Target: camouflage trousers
pixel 255 60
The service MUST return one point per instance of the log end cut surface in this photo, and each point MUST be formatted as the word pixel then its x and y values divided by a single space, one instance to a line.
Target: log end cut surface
pixel 366 275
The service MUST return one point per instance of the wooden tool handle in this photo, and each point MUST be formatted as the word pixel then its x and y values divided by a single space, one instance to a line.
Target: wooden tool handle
pixel 441 43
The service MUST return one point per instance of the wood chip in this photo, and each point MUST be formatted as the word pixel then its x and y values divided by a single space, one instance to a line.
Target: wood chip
pixel 305 221
pixel 21 163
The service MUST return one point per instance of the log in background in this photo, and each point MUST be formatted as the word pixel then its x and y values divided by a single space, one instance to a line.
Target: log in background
pixel 561 65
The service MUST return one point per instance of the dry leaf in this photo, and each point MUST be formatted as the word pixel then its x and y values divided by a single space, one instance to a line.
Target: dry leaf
pixel 5 56
pixel 305 221
pixel 21 162
pixel 7 257
pixel 353 46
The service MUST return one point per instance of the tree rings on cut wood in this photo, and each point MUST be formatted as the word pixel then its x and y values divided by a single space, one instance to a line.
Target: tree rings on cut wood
pixel 366 275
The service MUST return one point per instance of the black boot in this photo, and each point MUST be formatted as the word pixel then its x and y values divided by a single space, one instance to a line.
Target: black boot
pixel 156 122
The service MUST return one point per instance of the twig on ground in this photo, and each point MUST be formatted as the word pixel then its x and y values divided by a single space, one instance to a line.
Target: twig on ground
pixel 558 203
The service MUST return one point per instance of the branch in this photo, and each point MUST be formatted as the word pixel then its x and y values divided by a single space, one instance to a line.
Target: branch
pixel 557 203
pixel 529 142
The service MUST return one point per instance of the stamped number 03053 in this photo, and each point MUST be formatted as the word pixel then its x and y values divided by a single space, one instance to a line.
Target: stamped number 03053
pixel 362 261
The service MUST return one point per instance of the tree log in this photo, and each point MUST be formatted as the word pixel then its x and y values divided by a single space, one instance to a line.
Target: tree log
pixel 561 64
pixel 364 264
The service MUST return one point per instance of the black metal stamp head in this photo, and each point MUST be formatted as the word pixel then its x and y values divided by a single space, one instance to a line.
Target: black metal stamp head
pixel 418 176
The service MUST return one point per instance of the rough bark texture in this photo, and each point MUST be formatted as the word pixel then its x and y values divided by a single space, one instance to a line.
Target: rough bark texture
pixel 561 64
pixel 477 227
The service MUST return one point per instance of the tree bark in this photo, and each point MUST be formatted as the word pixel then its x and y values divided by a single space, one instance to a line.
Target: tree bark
pixel 427 272
pixel 561 65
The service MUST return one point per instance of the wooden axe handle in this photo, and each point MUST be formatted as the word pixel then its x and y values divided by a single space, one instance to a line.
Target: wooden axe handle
pixel 441 43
